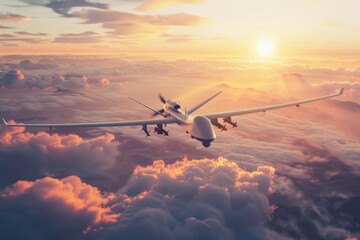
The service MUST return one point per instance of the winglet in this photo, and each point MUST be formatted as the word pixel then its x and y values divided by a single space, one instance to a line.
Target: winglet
pixel 4 122
pixel 341 91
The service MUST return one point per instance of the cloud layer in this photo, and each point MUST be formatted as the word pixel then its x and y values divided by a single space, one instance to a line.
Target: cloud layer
pixel 14 79
pixel 76 206
pixel 314 148
pixel 198 199
pixel 27 156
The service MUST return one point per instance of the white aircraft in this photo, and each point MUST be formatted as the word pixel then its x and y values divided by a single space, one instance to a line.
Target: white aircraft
pixel 199 126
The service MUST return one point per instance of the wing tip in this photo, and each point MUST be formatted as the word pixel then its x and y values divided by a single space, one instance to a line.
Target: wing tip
pixel 341 91
pixel 4 121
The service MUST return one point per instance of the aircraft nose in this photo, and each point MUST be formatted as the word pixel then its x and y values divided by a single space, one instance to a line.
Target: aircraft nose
pixel 204 128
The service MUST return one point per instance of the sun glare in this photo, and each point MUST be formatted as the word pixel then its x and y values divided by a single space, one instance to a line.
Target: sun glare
pixel 265 48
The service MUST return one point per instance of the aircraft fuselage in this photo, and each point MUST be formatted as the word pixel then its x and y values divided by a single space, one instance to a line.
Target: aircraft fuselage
pixel 199 127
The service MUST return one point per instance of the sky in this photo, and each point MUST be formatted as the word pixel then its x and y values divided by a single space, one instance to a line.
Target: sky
pixel 299 28
pixel 285 174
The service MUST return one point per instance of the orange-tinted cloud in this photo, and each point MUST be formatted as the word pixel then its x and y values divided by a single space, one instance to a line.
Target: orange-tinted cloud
pixel 149 5
pixel 197 199
pixel 123 23
pixel 11 17
pixel 193 198
pixel 17 135
pixel 53 154
pixel 72 207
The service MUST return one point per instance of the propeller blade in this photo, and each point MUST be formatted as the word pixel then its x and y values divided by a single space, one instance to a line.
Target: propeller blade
pixel 160 111
pixel 162 99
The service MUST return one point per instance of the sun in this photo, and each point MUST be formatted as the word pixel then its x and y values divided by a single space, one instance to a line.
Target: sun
pixel 265 48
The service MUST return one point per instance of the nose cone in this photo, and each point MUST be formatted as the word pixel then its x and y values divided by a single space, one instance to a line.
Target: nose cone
pixel 202 128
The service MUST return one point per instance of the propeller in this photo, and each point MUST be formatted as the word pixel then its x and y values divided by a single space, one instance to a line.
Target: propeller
pixel 157 113
pixel 163 100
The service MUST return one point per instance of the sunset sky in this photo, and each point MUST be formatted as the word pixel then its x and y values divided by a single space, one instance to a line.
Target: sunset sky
pixel 291 173
pixel 299 28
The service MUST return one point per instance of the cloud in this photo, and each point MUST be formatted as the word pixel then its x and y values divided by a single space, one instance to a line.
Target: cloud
pixel 84 37
pixel 103 82
pixel 30 65
pixel 11 17
pixel 348 105
pixel 67 208
pixel 63 7
pixel 176 38
pixel 31 156
pixel 149 5
pixel 112 16
pixel 30 34
pixel 70 82
pixel 14 79
pixel 10 45
pixel 4 35
pixel 197 199
pixel 123 23
pixel 352 88
pixel 314 148
pixel 83 34
pixel 22 39
pixel 294 82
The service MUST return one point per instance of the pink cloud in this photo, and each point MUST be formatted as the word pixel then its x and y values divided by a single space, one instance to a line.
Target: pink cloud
pixel 17 135
pixel 69 198
pixel 30 156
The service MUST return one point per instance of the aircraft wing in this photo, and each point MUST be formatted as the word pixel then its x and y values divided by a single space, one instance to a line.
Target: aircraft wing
pixel 271 107
pixel 99 124
pixel 193 109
